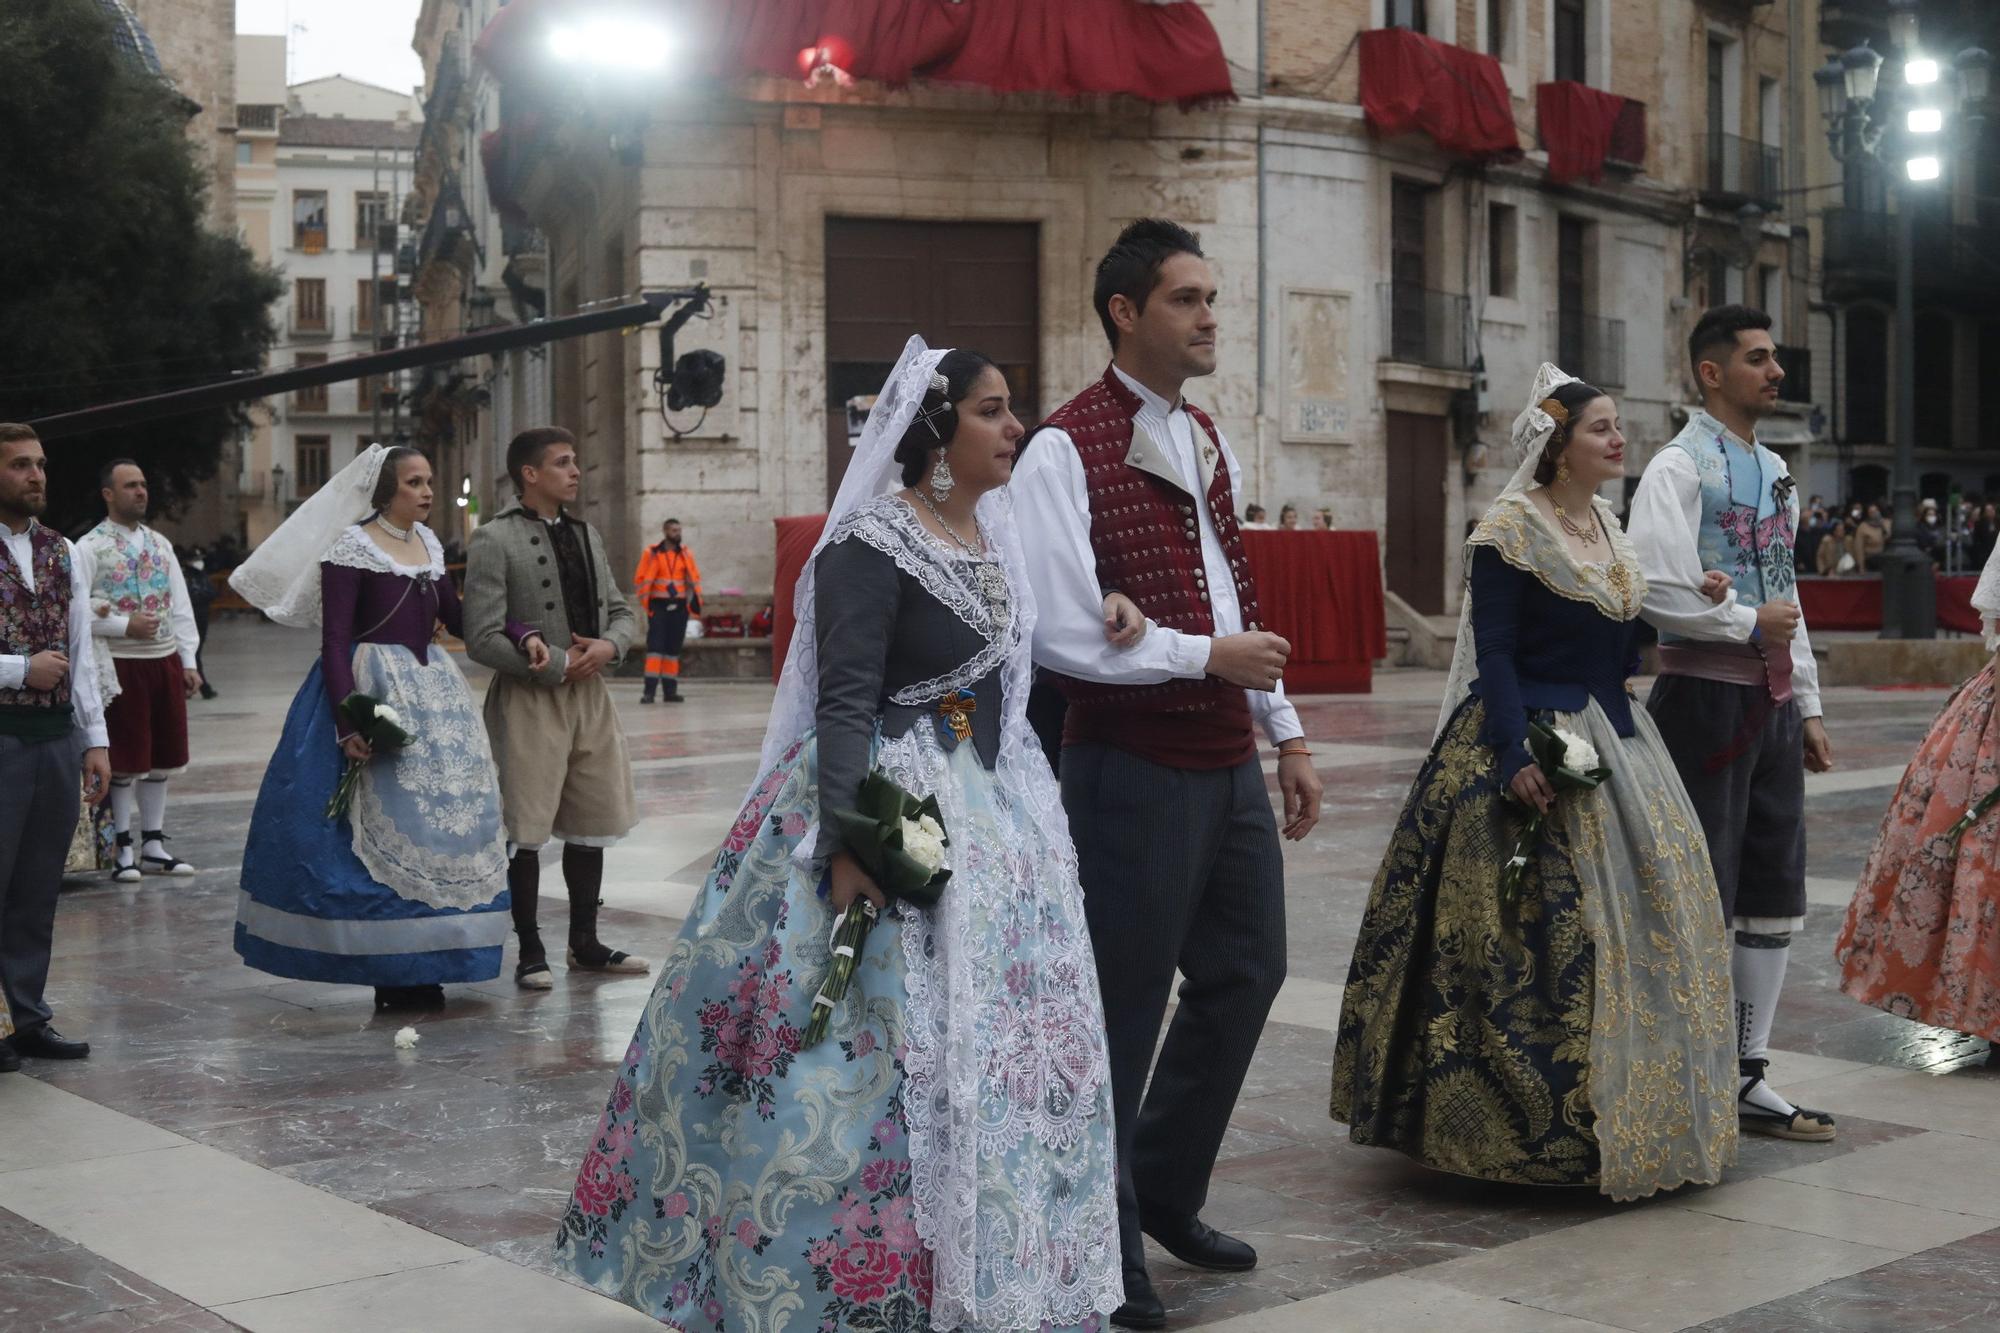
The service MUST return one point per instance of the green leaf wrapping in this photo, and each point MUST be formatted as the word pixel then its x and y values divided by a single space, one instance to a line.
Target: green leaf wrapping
pixel 358 711
pixel 873 832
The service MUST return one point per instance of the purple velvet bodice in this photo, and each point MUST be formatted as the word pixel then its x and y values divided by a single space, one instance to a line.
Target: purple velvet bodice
pixel 367 606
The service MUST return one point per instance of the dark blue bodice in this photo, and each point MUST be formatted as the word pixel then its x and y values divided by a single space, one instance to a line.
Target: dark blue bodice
pixel 1540 650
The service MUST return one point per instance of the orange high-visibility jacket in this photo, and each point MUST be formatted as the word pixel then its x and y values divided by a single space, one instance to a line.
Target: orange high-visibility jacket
pixel 667 575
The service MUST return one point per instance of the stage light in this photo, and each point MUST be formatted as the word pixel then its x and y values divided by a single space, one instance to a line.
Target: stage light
pixel 611 42
pixel 1923 168
pixel 1925 120
pixel 1921 70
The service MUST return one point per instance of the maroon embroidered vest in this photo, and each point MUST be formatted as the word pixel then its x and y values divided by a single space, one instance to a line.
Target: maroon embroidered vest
pixel 1146 534
pixel 38 620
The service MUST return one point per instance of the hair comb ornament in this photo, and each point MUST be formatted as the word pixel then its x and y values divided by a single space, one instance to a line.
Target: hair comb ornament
pixel 940 386
pixel 1557 412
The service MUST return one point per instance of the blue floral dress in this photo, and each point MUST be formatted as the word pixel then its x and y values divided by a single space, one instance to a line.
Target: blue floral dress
pixel 944 1158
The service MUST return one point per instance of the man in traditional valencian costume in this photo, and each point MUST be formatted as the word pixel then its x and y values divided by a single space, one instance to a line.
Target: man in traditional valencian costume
pixel 1737 701
pixel 537 571
pixel 1128 488
pixel 50 722
pixel 145 620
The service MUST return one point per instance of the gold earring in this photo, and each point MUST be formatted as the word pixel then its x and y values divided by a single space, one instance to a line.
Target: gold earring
pixel 1562 472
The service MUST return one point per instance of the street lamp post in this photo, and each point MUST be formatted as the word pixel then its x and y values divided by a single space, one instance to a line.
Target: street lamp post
pixel 1900 127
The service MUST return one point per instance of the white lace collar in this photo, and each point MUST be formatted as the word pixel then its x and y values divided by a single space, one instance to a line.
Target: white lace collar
pixel 355 550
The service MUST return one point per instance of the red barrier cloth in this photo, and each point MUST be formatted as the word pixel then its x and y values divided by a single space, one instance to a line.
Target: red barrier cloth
pixel 1576 123
pixel 1856 603
pixel 796 539
pixel 1159 52
pixel 1458 97
pixel 1322 591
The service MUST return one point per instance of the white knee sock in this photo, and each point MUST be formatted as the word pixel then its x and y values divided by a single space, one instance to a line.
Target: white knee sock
pixel 1757 968
pixel 152 805
pixel 124 804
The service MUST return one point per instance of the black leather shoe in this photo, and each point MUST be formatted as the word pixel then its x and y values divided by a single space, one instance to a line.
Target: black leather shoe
pixel 1142 1308
pixel 45 1043
pixel 1193 1241
pixel 9 1062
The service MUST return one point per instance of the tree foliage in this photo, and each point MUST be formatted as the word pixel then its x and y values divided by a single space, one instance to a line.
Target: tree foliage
pixel 112 286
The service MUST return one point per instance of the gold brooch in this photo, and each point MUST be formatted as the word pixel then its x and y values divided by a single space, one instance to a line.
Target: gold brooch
pixel 955 710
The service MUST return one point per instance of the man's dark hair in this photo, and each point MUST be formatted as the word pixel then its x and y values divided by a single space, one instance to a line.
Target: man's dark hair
pixel 671 520
pixel 1131 267
pixel 110 469
pixel 529 447
pixel 1714 335
pixel 13 432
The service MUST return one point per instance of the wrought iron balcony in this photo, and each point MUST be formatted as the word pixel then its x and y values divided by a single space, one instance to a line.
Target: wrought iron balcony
pixel 1741 171
pixel 1425 328
pixel 1591 348
pixel 1954 264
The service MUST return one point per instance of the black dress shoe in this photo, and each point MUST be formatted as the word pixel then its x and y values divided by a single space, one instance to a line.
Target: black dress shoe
pixel 1193 1241
pixel 9 1062
pixel 45 1043
pixel 1142 1307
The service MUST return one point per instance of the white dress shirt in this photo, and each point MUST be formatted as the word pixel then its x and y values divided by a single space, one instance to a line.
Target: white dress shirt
pixel 1665 528
pixel 1052 505
pixel 177 634
pixel 86 707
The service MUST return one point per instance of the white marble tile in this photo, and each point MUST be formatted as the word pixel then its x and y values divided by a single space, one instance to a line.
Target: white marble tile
pixel 1658 1269
pixel 1953 1172
pixel 479 1292
pixel 1796 1206
pixel 213 1229
pixel 1403 1303
pixel 1822 891
pixel 1853 779
pixel 1963 1101
pixel 41 1126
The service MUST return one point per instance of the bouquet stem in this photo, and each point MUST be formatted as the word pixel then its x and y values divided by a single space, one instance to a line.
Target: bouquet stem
pixel 343 795
pixel 850 932
pixel 1956 833
pixel 1515 871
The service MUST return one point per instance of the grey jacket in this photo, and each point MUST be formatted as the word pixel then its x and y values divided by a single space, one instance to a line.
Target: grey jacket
pixel 510 576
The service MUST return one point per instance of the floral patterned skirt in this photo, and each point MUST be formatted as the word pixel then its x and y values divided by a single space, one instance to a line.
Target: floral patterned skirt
pixel 735 1181
pixel 1582 1038
pixel 1922 935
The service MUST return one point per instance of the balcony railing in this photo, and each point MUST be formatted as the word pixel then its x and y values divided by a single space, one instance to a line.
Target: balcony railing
pixel 310 323
pixel 1426 328
pixel 1955 263
pixel 1591 348
pixel 1628 137
pixel 257 118
pixel 1742 171
pixel 1797 385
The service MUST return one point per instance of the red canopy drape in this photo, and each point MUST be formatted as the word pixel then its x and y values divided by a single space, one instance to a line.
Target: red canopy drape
pixel 1411 82
pixel 1160 52
pixel 1323 592
pixel 796 539
pixel 1576 124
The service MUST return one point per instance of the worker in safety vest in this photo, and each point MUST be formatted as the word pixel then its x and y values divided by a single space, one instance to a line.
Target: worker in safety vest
pixel 669 587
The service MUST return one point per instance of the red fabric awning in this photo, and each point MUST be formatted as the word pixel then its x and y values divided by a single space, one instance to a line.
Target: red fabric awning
pixel 1576 124
pixel 1409 82
pixel 1160 52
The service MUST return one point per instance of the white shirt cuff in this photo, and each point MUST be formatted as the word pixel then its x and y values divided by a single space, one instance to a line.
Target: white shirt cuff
pixel 96 738
pixel 1187 654
pixel 13 672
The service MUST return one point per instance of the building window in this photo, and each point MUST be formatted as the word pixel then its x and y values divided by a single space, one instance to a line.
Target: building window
pixel 1406 14
pixel 243 155
pixel 1499 29
pixel 1572 304
pixel 1771 298
pixel 1866 375
pixel 1410 313
pixel 371 221
pixel 309 220
pixel 310 457
pixel 1937 375
pixel 309 303
pixel 313 397
pixel 364 305
pixel 1502 249
pixel 1572 41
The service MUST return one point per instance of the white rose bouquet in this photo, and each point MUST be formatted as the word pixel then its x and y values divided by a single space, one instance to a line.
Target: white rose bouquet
pixel 1570 763
pixel 901 842
pixel 378 724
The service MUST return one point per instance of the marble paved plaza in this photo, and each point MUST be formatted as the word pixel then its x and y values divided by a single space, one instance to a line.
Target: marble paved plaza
pixel 247 1152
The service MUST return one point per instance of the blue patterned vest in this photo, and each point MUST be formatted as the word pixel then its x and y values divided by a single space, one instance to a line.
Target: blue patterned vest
pixel 133 572
pixel 1748 514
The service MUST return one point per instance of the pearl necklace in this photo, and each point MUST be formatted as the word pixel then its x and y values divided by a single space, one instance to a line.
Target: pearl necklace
pixel 400 534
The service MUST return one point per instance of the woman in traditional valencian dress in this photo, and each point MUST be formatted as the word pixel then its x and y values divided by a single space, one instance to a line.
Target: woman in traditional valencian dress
pixel 944 1158
pixel 408 890
pixel 1582 1035
pixel 1922 936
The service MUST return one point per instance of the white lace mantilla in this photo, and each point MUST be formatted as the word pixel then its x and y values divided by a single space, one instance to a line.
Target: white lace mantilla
pixel 1008 1097
pixel 971 588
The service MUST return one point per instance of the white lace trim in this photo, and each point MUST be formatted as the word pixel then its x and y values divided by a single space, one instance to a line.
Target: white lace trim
pixel 354 549
pixel 1007 1074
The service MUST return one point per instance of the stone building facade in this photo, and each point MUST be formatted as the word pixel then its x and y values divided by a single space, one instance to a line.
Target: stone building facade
pixel 1384 299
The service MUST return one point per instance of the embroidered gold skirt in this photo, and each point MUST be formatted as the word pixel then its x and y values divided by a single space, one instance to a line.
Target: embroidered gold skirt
pixel 1584 1037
